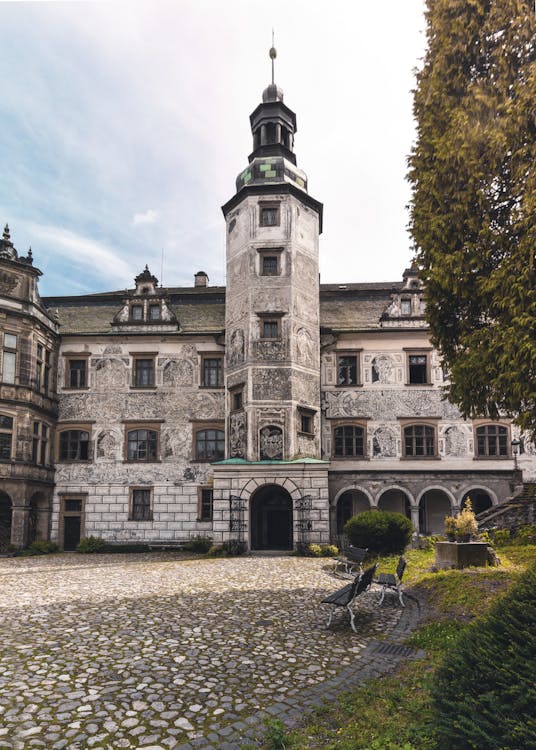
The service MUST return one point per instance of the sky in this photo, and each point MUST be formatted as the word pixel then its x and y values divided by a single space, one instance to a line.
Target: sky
pixel 124 126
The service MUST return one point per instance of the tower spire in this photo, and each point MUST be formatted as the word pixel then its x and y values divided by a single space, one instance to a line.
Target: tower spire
pixel 273 55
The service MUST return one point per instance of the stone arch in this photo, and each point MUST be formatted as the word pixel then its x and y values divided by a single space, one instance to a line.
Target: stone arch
pixel 434 504
pixel 6 519
pixel 271 518
pixel 254 484
pixel 395 499
pixel 349 502
pixel 482 498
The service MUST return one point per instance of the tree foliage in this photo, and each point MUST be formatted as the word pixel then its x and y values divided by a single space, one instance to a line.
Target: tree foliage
pixel 473 209
pixel 484 692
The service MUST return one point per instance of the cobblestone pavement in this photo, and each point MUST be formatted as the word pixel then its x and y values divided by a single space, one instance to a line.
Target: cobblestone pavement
pixel 161 652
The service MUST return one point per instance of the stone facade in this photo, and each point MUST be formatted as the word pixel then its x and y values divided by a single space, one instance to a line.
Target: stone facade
pixel 266 412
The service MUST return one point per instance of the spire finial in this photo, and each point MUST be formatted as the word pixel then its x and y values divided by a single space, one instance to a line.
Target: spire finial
pixel 6 233
pixel 273 55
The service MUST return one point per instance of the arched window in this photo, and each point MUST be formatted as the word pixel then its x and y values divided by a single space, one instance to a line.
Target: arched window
pixel 142 445
pixel 209 445
pixel 74 445
pixel 492 440
pixel 419 440
pixel 349 440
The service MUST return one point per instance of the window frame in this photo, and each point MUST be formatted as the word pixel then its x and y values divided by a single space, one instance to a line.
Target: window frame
pixel 426 425
pixel 74 428
pixel 9 351
pixel 9 432
pixel 351 456
pixel 205 427
pixel 40 443
pixel 143 357
pixel 236 394
pixel 487 456
pixel 273 319
pixel 309 415
pixel 220 369
pixel 413 353
pixel 147 427
pixel 69 359
pixel 202 502
pixel 269 206
pixel 147 491
pixel 349 354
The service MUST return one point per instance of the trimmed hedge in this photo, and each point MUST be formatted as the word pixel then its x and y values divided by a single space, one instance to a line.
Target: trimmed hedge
pixel 484 692
pixel 381 532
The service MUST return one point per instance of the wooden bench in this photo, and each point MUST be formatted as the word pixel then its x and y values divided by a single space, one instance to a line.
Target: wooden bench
pixel 350 559
pixel 346 596
pixel 393 582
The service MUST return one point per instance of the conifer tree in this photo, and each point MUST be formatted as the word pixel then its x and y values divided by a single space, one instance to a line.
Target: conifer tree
pixel 473 208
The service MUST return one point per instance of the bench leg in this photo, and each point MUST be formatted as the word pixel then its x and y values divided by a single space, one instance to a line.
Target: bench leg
pixel 400 596
pixel 382 597
pixel 352 616
pixel 330 618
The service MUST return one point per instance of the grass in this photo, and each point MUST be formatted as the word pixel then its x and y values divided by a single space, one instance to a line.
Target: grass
pixel 395 712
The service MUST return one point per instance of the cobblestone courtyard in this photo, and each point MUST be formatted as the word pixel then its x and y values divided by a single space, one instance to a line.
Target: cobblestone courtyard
pixel 155 651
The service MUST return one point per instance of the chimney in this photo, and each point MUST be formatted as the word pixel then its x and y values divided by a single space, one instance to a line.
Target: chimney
pixel 200 279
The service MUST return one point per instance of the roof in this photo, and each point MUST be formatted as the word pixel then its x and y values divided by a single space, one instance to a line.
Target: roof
pixel 201 310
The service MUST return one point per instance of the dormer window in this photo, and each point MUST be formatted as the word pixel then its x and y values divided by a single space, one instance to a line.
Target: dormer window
pixel 154 312
pixel 136 312
pixel 405 306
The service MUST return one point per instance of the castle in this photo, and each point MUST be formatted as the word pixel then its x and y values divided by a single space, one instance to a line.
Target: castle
pixel 267 412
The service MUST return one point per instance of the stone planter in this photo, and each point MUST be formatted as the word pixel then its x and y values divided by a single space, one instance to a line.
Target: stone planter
pixel 460 554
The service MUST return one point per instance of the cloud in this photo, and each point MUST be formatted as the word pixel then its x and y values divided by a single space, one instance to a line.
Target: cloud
pixel 149 217
pixel 95 258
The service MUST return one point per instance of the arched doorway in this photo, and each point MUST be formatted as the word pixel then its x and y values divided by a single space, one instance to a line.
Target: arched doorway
pixel 434 505
pixel 480 500
pixel 5 520
pixel 271 518
pixel 349 504
pixel 395 501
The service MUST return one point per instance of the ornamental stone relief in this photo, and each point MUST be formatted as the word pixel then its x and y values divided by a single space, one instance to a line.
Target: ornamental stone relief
pixel 176 441
pixel 8 282
pixel 271 384
pixel 271 443
pixel 237 435
pixel 110 374
pixel 237 309
pixel 177 372
pixel 305 347
pixel 112 349
pixel 236 347
pixel 275 351
pixel 307 446
pixel 389 404
pixel 455 440
pixel 103 472
pixel 305 388
pixel 109 444
pixel 384 442
pixel 209 406
pixel 383 369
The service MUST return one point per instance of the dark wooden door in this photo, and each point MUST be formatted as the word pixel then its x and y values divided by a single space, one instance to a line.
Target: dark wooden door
pixel 71 531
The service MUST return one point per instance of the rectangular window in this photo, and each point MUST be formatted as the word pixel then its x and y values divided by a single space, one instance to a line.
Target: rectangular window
pixel 39 368
pixel 154 312
pixel 269 216
pixel 270 265
pixel 46 373
pixel 74 445
pixel 73 506
pixel 136 312
pixel 6 437
pixel 212 372
pixel 405 307
pixel 40 437
pixel 44 445
pixel 205 504
pixel 418 368
pixel 306 423
pixel 9 358
pixel 270 328
pixel 419 441
pixel 237 400
pixel 35 442
pixel 141 505
pixel 144 373
pixel 76 373
pixel 347 369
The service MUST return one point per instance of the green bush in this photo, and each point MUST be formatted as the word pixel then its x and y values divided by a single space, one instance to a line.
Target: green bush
pixel 383 533
pixel 500 537
pixel 526 534
pixel 199 544
pixel 91 545
pixel 484 693
pixel 329 550
pixel 44 548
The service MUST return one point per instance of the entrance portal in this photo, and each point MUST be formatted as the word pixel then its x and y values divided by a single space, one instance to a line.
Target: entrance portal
pixel 271 518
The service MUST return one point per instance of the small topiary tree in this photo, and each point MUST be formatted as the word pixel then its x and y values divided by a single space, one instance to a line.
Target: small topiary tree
pixel 484 692
pixel 381 532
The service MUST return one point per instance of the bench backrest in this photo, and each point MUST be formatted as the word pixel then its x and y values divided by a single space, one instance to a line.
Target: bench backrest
pixel 401 567
pixel 355 554
pixel 365 580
